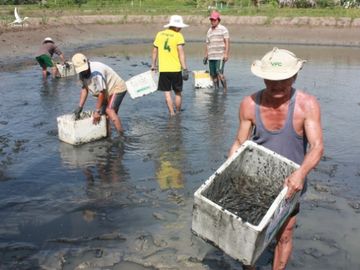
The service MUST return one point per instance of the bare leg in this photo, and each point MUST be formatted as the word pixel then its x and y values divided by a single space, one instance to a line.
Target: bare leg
pixel 223 82
pixel 113 117
pixel 216 82
pixel 44 73
pixel 108 127
pixel 178 101
pixel 54 72
pixel 169 102
pixel 284 245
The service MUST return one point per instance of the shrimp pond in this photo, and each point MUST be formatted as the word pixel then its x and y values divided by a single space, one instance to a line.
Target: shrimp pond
pixel 125 202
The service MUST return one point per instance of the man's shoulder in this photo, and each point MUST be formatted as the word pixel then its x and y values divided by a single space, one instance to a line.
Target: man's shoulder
pixel 250 99
pixel 223 28
pixel 96 65
pixel 306 100
pixel 158 34
pixel 303 96
pixel 97 68
pixel 178 34
pixel 161 31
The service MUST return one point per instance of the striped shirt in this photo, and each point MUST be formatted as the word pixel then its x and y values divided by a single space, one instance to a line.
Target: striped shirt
pixel 215 42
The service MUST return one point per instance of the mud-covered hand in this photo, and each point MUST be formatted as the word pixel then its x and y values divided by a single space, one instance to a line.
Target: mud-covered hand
pixel 205 60
pixel 185 74
pixel 96 117
pixel 67 65
pixel 295 183
pixel 77 112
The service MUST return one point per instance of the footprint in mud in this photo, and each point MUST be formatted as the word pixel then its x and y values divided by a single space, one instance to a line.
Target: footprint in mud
pixel 53 132
pixel 329 170
pixel 355 205
pixel 40 124
pixel 19 145
pixel 145 64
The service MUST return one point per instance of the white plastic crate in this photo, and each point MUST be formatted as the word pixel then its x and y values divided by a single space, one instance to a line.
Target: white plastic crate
pixel 228 231
pixel 66 71
pixel 80 131
pixel 202 79
pixel 142 84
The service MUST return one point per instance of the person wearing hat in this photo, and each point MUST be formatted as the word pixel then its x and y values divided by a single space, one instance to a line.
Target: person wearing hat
pixel 287 121
pixel 168 52
pixel 45 54
pixel 104 84
pixel 217 49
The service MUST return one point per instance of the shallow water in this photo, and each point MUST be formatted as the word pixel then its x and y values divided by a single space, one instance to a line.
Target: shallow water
pixel 125 202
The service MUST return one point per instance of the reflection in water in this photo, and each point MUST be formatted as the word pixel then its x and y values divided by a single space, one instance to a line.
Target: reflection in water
pixel 216 120
pixel 170 156
pixel 105 176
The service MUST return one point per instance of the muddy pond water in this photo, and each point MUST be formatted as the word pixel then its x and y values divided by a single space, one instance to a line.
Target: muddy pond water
pixel 125 202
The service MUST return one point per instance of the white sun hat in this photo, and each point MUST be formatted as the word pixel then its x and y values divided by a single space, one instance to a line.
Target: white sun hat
pixel 176 21
pixel 80 62
pixel 276 65
pixel 48 39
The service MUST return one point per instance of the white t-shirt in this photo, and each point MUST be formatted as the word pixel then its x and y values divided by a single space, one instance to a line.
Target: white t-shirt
pixel 104 78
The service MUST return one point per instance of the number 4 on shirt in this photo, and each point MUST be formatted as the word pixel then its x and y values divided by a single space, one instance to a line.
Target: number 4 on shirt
pixel 166 45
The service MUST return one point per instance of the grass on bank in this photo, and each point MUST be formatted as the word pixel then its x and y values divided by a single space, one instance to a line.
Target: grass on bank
pixel 267 8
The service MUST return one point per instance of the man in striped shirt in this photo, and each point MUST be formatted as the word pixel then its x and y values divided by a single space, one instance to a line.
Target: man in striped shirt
pixel 217 49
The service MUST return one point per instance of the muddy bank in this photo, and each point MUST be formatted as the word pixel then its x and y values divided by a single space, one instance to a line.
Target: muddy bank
pixel 18 45
pixel 126 203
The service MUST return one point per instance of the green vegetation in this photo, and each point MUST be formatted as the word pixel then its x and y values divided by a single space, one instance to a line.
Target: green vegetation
pixel 269 8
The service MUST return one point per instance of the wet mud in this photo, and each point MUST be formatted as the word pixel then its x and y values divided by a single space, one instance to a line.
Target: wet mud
pixel 125 202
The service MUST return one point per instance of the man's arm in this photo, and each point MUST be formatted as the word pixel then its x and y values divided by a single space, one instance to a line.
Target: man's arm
pixel 227 49
pixel 181 53
pixel 59 53
pixel 154 57
pixel 98 106
pixel 62 57
pixel 313 132
pixel 246 124
pixel 83 96
pixel 206 51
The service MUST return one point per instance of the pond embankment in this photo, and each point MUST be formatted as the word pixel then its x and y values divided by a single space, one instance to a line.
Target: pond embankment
pixel 72 33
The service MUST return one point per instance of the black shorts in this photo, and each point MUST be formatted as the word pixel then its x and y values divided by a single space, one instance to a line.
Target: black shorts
pixel 296 210
pixel 170 81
